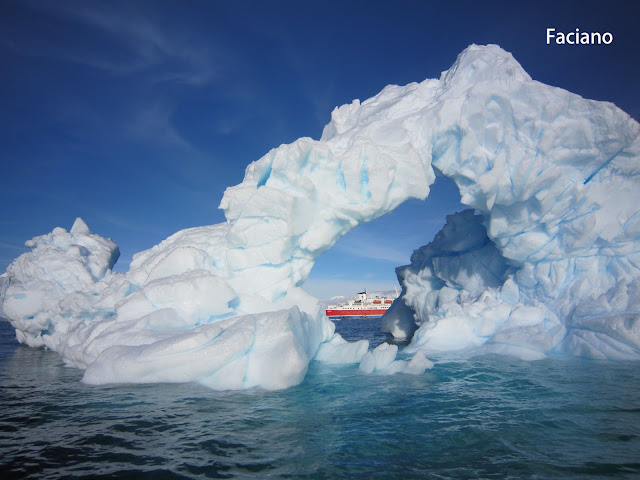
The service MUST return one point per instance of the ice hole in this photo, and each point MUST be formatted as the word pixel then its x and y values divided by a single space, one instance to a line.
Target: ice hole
pixel 366 257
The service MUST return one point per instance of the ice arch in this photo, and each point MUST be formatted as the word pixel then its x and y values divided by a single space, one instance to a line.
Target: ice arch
pixel 553 176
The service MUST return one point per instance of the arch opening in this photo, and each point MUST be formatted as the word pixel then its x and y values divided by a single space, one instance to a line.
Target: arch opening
pixel 367 256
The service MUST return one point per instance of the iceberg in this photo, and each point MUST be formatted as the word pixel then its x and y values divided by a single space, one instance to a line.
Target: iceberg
pixel 545 261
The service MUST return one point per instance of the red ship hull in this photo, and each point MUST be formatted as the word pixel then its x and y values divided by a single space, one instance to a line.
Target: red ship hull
pixel 374 312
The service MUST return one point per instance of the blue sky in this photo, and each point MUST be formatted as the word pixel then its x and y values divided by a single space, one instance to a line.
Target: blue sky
pixel 137 115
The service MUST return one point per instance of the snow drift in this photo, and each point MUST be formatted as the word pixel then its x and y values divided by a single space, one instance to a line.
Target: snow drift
pixel 545 262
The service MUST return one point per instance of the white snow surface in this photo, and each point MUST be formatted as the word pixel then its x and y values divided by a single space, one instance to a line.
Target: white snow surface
pixel 546 261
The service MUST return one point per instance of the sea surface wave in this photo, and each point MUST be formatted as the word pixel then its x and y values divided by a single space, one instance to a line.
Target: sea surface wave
pixel 484 417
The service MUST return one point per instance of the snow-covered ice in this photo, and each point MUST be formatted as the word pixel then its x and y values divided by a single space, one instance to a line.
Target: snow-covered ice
pixel 545 261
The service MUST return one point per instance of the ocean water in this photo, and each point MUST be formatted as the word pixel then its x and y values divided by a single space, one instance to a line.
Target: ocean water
pixel 485 417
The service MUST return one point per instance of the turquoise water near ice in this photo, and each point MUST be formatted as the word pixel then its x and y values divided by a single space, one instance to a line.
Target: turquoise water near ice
pixel 485 417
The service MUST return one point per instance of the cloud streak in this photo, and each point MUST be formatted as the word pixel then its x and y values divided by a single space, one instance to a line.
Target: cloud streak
pixel 370 249
pixel 370 243
pixel 11 246
pixel 137 44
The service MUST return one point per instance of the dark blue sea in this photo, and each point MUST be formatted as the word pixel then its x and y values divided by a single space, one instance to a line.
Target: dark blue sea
pixel 485 417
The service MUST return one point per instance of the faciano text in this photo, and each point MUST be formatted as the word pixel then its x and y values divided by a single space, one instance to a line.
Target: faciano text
pixel 578 37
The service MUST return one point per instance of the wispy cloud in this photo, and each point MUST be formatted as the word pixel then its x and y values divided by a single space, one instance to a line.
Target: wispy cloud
pixel 153 122
pixel 373 245
pixel 125 223
pixel 137 44
pixel 12 246
pixel 374 251
pixel 8 253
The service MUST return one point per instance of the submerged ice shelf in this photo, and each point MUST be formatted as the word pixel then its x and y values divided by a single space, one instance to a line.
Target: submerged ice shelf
pixel 546 260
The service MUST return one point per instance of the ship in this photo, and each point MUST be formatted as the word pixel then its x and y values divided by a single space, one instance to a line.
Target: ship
pixel 361 306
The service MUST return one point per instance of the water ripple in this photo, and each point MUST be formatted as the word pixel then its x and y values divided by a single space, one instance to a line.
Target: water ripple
pixel 485 417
